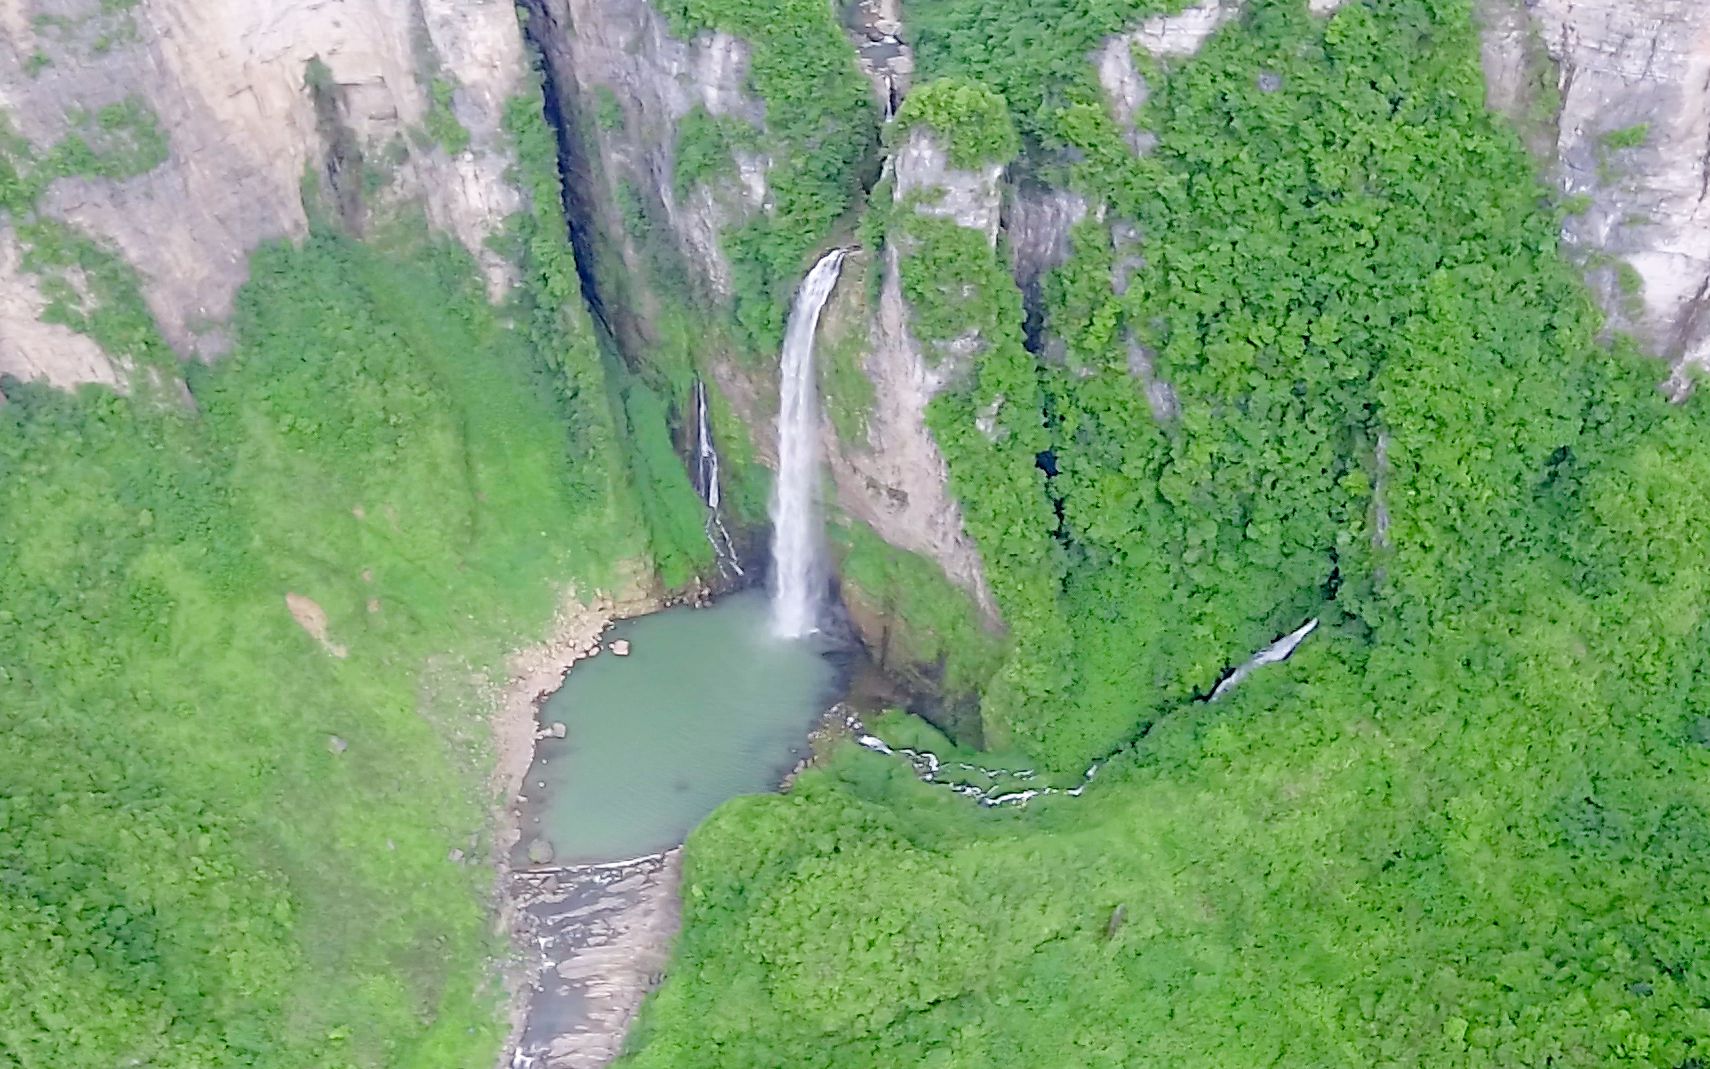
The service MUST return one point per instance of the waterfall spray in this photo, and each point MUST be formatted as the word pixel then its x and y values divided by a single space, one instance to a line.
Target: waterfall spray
pixel 797 575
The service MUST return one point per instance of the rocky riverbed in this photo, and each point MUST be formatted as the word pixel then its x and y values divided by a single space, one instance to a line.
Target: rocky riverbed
pixel 597 938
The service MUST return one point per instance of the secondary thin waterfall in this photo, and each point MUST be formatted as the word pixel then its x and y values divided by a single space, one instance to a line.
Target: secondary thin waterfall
pixel 706 454
pixel 706 481
pixel 797 576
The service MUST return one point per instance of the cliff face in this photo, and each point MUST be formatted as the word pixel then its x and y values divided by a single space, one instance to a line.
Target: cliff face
pixel 1614 93
pixel 631 84
pixel 893 477
pixel 634 86
pixel 1617 94
pixel 223 82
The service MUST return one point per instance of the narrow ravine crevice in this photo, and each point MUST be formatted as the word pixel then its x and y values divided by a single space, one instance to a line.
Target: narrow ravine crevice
pixel 540 29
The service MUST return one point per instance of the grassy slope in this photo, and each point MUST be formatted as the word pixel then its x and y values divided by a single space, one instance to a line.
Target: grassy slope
pixel 193 877
pixel 1470 823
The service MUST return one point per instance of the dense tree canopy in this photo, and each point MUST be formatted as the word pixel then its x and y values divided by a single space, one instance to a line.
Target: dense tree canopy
pixel 1318 356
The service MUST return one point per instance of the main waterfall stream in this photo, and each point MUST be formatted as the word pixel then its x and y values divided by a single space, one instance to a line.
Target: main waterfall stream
pixel 798 578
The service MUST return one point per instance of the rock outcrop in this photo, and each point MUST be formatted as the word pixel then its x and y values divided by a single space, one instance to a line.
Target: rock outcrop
pixel 224 80
pixel 617 65
pixel 32 348
pixel 876 29
pixel 1618 92
pixel 896 479
pixel 1612 95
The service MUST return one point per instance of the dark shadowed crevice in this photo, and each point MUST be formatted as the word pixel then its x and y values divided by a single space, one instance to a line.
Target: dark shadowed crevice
pixel 540 28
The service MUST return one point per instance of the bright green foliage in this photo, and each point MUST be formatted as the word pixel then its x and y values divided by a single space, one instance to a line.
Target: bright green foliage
pixel 973 121
pixel 931 625
pixel 194 877
pixel 1469 822
pixel 819 125
pixel 991 433
pixel 443 125
pixel 705 145
pixel 559 327
pixel 1033 52
pixel 674 514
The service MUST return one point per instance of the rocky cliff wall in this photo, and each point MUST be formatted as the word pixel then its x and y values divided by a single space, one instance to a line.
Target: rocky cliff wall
pixel 224 81
pixel 894 478
pixel 1616 93
pixel 1612 95
pixel 630 84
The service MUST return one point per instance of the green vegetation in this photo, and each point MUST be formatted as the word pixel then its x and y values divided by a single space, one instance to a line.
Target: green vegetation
pixel 94 292
pixel 119 141
pixel 88 287
pixel 991 434
pixel 608 112
pixel 442 123
pixel 1610 144
pixel 820 124
pixel 706 145
pixel 1626 137
pixel 1467 823
pixel 1631 286
pixel 999 44
pixel 238 852
pixel 972 119
pixel 248 846
pixel 630 462
pixel 933 630
pixel 675 517
pixel 846 392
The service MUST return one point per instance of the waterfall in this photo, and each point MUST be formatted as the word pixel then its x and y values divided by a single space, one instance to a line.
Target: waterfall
pixel 706 454
pixel 706 482
pixel 797 577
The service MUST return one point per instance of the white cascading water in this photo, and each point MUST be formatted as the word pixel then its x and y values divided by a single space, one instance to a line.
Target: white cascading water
pixel 706 480
pixel 797 576
pixel 706 453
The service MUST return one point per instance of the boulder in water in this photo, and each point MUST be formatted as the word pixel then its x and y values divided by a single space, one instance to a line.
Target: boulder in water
pixel 540 852
pixel 559 730
pixel 620 647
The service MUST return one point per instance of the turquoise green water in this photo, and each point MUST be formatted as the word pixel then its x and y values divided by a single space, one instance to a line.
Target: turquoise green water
pixel 708 705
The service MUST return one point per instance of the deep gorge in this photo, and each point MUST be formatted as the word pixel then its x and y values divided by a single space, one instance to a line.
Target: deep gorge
pixel 345 356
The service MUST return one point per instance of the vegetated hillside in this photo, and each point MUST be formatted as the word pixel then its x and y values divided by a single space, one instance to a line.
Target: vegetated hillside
pixel 223 842
pixel 1469 823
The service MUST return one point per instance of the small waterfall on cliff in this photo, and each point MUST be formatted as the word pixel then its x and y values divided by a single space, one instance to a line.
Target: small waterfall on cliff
pixel 706 482
pixel 797 577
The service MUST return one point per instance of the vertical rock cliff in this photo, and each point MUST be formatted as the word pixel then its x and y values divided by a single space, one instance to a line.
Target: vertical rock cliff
pixel 202 119
pixel 1616 93
pixel 893 476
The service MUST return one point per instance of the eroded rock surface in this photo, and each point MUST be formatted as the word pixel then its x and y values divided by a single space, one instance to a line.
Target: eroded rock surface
pixel 1622 88
pixel 621 54
pixel 225 80
pixel 896 479
pixel 599 939
pixel 32 348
